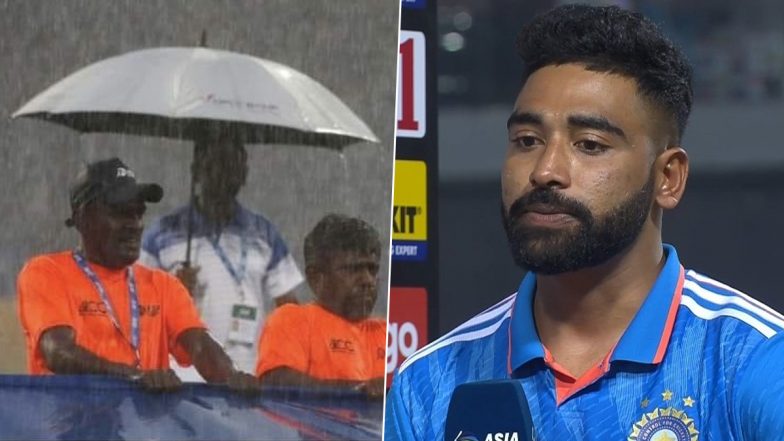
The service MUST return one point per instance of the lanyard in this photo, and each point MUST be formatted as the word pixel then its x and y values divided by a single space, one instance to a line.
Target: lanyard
pixel 238 273
pixel 134 301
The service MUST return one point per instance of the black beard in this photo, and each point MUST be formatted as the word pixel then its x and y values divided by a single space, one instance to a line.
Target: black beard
pixel 593 242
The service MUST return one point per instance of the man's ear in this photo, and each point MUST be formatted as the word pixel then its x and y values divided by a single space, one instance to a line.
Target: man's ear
pixel 672 171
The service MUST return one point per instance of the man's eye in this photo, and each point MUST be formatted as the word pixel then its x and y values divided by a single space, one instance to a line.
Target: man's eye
pixel 592 147
pixel 525 141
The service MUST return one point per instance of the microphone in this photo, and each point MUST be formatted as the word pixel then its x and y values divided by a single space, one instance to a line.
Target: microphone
pixel 489 411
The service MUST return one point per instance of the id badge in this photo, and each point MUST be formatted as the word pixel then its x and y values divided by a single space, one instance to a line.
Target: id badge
pixel 244 319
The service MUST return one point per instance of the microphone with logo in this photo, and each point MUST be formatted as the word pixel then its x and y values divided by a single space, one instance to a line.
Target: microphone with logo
pixel 489 411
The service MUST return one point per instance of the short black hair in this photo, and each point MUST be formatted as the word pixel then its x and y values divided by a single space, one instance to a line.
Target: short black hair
pixel 614 40
pixel 340 233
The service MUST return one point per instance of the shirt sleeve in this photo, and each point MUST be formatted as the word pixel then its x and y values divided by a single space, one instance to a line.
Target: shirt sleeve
pixel 758 405
pixel 181 315
pixel 282 274
pixel 43 302
pixel 283 341
pixel 397 421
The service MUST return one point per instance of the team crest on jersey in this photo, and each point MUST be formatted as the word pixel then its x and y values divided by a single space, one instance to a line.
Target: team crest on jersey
pixel 664 424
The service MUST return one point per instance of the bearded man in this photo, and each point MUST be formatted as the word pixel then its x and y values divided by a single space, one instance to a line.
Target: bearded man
pixel 608 335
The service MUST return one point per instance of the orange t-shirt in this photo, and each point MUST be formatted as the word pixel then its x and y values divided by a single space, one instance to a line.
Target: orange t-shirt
pixel 318 343
pixel 53 291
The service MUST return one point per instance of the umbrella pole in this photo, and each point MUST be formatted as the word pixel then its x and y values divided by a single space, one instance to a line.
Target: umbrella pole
pixel 191 208
pixel 198 139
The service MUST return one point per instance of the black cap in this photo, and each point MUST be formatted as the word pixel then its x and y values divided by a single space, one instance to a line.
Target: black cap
pixel 114 182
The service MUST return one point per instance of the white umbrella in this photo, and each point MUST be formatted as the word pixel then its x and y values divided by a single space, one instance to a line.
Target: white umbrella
pixel 172 92
pixel 189 93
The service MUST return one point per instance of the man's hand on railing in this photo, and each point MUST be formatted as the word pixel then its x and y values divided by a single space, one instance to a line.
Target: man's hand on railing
pixel 244 383
pixel 372 388
pixel 163 380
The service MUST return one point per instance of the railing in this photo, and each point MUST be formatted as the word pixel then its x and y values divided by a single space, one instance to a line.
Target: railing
pixel 99 408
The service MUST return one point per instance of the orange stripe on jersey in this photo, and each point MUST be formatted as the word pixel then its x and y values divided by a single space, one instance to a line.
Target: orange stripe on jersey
pixel 668 324
pixel 567 384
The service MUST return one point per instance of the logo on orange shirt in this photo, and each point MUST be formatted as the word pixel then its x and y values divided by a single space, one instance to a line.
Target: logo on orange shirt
pixel 151 310
pixel 91 307
pixel 340 345
pixel 94 307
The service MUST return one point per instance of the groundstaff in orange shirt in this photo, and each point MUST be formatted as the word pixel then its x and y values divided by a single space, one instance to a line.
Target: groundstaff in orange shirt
pixel 93 310
pixel 331 342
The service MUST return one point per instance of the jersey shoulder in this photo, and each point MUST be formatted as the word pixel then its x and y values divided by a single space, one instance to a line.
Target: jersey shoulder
pixel 727 310
pixel 470 337
pixel 166 230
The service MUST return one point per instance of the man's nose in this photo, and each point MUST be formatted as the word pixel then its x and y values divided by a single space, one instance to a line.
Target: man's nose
pixel 134 221
pixel 552 168
pixel 368 276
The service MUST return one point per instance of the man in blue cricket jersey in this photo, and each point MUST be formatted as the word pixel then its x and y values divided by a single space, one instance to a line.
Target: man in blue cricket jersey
pixel 610 337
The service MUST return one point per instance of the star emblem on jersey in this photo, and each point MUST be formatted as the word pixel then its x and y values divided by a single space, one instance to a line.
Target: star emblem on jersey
pixel 668 424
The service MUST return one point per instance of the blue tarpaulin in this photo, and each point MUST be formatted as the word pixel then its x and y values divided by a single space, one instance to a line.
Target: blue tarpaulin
pixel 99 408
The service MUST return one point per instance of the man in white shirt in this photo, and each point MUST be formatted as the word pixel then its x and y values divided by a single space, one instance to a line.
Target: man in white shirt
pixel 240 267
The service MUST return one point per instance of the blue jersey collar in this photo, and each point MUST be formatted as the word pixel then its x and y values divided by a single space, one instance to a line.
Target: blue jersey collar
pixel 644 341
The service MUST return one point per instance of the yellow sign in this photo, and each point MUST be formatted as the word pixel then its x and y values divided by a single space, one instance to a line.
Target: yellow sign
pixel 409 215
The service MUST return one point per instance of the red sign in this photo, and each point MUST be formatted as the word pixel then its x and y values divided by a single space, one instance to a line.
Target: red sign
pixel 407 328
pixel 411 106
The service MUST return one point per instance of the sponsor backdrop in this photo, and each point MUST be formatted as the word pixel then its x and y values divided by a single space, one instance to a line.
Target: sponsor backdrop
pixel 412 305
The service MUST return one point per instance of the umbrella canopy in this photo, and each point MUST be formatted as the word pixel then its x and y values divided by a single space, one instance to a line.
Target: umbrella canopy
pixel 174 92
